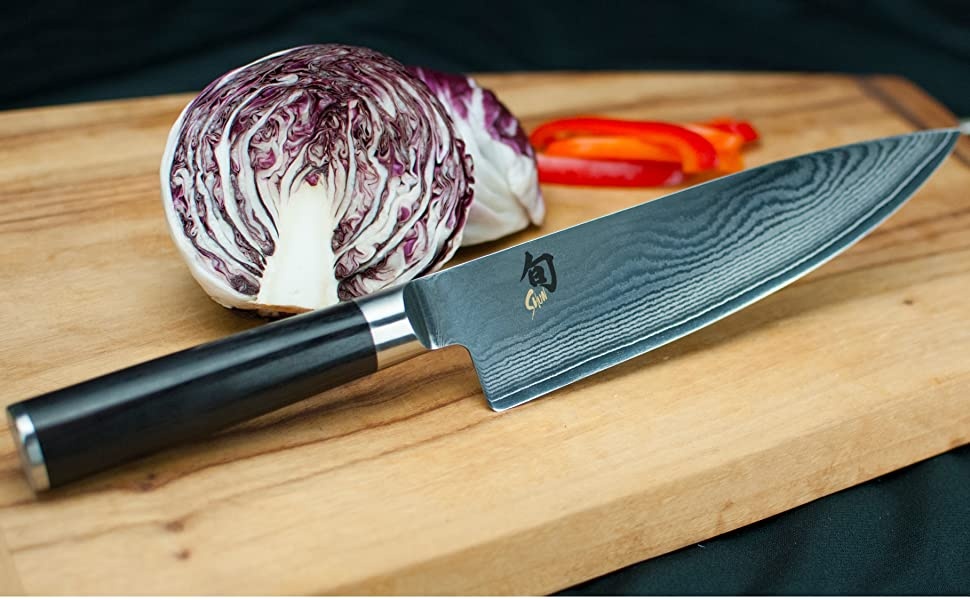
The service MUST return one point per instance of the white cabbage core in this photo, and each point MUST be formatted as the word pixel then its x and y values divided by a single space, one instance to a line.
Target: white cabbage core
pixel 300 274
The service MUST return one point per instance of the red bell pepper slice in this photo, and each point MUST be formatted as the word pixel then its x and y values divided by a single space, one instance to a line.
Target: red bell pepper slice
pixel 730 162
pixel 742 128
pixel 615 173
pixel 695 153
pixel 723 141
pixel 611 147
pixel 728 145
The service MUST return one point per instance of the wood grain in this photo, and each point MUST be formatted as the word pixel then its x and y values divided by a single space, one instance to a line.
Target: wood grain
pixel 405 482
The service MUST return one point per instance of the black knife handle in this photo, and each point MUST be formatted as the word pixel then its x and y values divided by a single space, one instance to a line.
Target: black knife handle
pixel 73 432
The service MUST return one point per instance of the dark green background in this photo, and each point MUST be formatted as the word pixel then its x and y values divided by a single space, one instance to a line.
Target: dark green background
pixel 905 533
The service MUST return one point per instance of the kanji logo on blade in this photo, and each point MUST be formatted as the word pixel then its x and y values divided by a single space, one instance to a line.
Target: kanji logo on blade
pixel 542 278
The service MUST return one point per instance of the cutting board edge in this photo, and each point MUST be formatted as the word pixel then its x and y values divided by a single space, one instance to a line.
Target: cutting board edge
pixel 912 104
pixel 881 86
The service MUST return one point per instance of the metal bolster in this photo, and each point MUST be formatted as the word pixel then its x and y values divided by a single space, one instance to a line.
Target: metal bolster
pixel 392 332
pixel 28 447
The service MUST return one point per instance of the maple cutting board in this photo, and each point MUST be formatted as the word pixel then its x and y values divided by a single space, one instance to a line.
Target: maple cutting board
pixel 405 482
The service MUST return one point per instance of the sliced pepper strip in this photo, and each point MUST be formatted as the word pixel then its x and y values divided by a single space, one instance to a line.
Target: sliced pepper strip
pixel 729 162
pixel 616 173
pixel 723 141
pixel 612 146
pixel 728 146
pixel 695 153
pixel 742 128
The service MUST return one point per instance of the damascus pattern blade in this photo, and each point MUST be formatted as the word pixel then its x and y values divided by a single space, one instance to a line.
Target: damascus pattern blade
pixel 543 314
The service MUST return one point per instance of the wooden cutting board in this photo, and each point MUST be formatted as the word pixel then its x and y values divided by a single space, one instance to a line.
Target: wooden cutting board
pixel 406 482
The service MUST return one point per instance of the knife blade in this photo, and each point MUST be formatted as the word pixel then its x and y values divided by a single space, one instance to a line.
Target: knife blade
pixel 590 296
pixel 628 282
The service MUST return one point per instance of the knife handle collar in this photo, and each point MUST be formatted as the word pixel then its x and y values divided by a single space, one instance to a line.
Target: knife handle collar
pixel 391 329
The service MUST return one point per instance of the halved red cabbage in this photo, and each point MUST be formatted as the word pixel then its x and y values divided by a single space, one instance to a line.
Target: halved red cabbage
pixel 327 172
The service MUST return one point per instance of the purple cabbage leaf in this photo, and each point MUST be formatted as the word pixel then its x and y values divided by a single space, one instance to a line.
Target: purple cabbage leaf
pixel 327 172
pixel 507 194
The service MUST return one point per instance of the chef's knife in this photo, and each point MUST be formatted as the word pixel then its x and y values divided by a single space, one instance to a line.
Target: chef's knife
pixel 534 317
